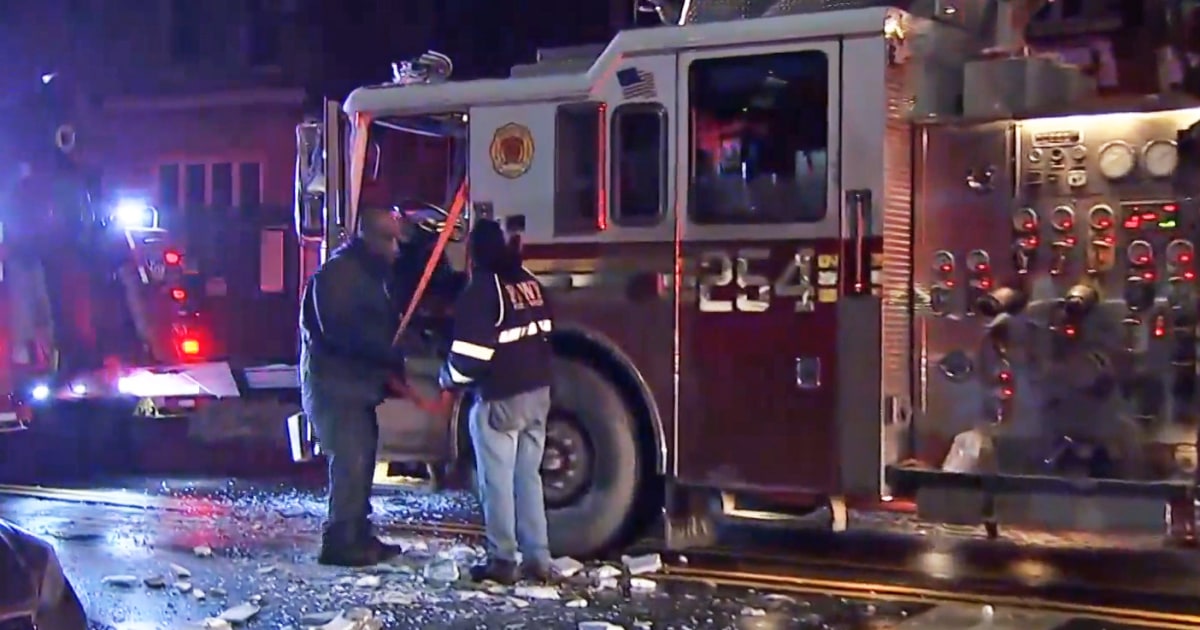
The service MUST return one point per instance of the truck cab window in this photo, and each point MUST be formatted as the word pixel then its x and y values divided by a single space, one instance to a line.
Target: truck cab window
pixel 577 167
pixel 760 133
pixel 639 163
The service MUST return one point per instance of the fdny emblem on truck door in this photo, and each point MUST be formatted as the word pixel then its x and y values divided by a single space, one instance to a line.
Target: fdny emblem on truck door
pixel 512 150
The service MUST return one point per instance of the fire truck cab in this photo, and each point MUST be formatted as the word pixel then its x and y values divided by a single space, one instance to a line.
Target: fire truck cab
pixel 810 257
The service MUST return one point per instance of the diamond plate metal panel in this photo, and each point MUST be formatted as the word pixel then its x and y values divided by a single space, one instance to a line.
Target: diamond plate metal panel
pixel 700 11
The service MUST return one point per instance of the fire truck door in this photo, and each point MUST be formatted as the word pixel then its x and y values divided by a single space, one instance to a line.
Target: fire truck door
pixel 757 328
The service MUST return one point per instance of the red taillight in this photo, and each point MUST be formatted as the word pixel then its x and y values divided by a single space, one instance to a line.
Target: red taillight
pixel 172 257
pixel 178 294
pixel 190 347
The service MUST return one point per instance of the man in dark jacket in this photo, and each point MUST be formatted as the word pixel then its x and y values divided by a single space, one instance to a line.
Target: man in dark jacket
pixel 347 360
pixel 501 350
pixel 34 593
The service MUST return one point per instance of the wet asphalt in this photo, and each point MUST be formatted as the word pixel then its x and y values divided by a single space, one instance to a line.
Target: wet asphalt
pixel 124 556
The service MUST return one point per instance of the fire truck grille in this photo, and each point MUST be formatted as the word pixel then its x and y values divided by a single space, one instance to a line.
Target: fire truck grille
pixel 728 10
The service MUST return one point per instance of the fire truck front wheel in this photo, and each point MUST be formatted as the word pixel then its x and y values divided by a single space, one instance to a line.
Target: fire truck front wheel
pixel 592 464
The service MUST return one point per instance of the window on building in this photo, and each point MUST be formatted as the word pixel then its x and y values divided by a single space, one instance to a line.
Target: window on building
pixel 263 34
pixel 759 149
pixel 168 186
pixel 222 185
pixel 217 184
pixel 639 163
pixel 195 185
pixel 186 31
pixel 579 128
pixel 249 185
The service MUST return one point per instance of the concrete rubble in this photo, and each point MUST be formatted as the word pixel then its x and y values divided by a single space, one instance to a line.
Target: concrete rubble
pixel 257 570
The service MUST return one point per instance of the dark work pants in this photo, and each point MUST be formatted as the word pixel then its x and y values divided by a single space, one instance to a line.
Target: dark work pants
pixel 349 435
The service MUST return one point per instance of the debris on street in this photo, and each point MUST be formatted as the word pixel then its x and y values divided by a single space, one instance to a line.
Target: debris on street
pixel 250 562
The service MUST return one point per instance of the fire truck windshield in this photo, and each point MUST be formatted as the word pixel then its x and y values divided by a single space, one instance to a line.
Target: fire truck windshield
pixel 760 149
pixel 421 162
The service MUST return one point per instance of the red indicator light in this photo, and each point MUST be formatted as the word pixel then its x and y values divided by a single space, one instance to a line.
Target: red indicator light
pixel 1189 275
pixel 1006 393
pixel 1029 226
pixel 189 347
pixel 1030 242
pixel 1066 224
pixel 1159 331
pixel 1148 275
pixel 948 283
pixel 178 294
pixel 1141 260
pixel 1103 224
pixel 1004 376
pixel 1149 216
pixel 1184 258
pixel 1069 330
pixel 947 268
pixel 1170 207
pixel 172 257
pixel 1108 240
pixel 1133 223
pixel 981 267
pixel 1070 241
pixel 985 283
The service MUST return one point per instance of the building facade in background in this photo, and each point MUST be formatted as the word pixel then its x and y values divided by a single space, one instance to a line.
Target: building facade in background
pixel 190 105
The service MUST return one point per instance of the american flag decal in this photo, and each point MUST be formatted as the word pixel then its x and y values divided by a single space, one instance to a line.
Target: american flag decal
pixel 636 83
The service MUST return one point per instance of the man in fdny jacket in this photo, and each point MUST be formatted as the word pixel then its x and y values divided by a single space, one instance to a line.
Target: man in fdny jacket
pixel 501 351
pixel 347 361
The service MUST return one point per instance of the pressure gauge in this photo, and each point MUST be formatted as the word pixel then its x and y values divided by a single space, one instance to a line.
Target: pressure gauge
pixel 1117 160
pixel 1160 158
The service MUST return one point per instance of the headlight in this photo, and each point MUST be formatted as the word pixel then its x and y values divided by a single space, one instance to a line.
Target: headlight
pixel 40 392
pixel 133 213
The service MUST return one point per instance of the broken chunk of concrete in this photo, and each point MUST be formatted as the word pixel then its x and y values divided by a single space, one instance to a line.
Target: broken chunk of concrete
pixel 641 565
pixel 212 623
pixel 354 619
pixel 319 618
pixel 202 551
pixel 155 581
pixel 240 613
pixel 199 594
pixel 607 583
pixel 441 569
pixel 369 581
pixel 599 625
pixel 183 587
pixel 577 603
pixel 125 581
pixel 642 584
pixel 180 571
pixel 566 566
pixel 264 570
pixel 606 571
pixel 537 592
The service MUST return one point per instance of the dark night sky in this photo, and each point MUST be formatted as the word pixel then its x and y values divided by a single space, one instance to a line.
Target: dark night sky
pixel 483 37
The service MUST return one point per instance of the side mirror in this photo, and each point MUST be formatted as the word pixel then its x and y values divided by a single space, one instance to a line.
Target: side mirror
pixel 310 181
pixel 310 215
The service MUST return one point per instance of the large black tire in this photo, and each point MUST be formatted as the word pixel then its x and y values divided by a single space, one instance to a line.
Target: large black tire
pixel 596 521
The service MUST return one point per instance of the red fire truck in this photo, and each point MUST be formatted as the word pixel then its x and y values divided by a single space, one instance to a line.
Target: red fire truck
pixel 93 289
pixel 818 257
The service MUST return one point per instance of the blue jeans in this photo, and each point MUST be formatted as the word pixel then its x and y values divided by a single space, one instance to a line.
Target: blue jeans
pixel 508 465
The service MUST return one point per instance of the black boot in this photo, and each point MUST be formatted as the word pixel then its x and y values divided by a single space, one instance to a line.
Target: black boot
pixel 538 572
pixel 384 550
pixel 346 546
pixel 501 571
